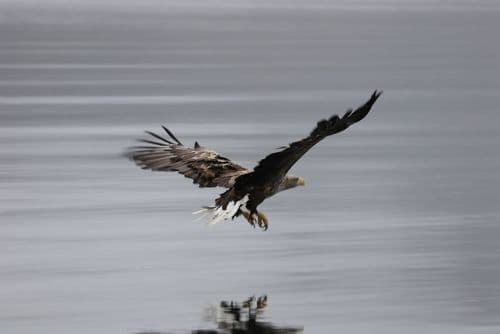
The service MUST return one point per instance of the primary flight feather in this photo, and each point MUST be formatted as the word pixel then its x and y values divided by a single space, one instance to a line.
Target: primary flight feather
pixel 246 188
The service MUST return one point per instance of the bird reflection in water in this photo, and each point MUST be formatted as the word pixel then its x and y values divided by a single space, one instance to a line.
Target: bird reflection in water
pixel 242 318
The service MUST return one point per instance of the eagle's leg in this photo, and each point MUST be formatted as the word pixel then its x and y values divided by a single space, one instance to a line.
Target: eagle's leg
pixel 262 221
pixel 250 217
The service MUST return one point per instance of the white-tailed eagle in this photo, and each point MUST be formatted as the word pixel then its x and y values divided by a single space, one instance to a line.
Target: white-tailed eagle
pixel 246 188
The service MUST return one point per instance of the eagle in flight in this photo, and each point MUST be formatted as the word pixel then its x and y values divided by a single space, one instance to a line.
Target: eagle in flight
pixel 246 188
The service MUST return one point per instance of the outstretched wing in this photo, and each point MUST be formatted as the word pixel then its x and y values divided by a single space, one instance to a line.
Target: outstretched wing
pixel 276 165
pixel 206 167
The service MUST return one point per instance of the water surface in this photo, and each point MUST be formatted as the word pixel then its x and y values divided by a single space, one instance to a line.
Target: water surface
pixel 396 231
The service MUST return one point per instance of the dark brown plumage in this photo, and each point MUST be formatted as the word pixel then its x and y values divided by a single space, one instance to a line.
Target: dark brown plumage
pixel 205 167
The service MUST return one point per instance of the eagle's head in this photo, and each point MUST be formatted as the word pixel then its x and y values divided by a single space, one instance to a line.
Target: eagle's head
pixel 291 181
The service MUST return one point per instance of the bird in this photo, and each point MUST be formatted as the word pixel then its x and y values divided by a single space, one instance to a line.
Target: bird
pixel 246 188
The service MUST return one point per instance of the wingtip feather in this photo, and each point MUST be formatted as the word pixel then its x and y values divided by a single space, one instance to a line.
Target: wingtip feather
pixel 376 94
pixel 171 135
pixel 159 137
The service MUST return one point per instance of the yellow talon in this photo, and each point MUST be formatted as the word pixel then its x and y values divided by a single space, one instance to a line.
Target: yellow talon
pixel 249 217
pixel 262 221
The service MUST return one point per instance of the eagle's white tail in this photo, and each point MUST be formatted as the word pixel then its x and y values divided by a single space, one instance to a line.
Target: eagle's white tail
pixel 218 214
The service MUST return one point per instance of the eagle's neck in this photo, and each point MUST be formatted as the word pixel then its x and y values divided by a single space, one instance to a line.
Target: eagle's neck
pixel 287 182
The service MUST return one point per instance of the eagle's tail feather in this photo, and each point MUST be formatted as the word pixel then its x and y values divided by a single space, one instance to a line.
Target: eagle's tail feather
pixel 219 214
pixel 203 212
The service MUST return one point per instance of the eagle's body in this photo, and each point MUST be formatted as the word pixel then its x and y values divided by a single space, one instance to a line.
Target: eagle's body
pixel 246 188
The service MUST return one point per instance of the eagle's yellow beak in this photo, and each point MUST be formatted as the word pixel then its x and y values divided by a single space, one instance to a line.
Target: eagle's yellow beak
pixel 301 182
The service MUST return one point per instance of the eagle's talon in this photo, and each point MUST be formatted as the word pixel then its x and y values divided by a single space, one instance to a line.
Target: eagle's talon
pixel 262 221
pixel 257 218
pixel 250 217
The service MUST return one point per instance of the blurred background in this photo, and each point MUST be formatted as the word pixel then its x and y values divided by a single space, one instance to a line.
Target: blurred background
pixel 396 230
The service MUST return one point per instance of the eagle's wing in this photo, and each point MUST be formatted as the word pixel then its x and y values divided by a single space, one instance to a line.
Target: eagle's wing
pixel 206 167
pixel 276 165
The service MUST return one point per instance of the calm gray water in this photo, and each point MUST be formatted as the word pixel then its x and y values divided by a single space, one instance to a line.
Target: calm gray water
pixel 397 230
